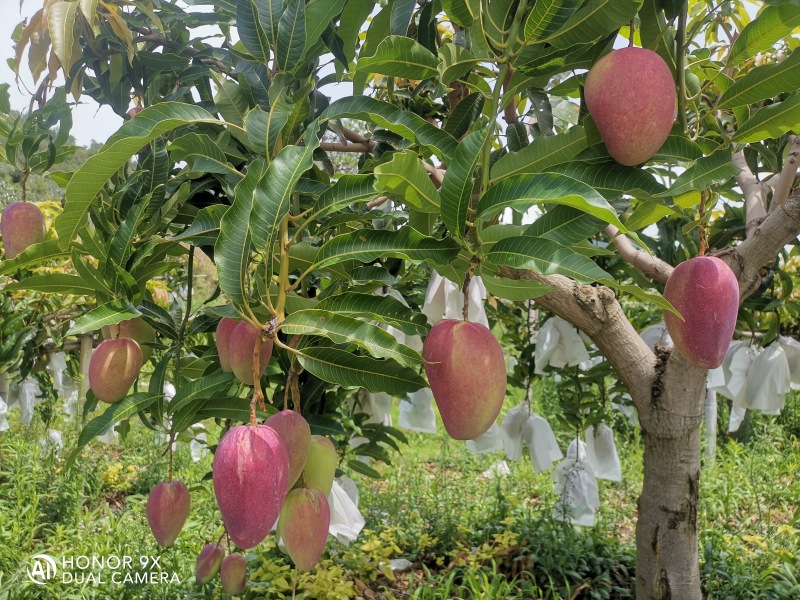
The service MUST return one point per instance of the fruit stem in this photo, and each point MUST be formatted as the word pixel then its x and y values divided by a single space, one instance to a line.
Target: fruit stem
pixel 283 277
pixel 631 32
pixel 680 66
pixel 473 263
pixel 186 314
pixel 171 455
pixel 258 396
pixel 702 234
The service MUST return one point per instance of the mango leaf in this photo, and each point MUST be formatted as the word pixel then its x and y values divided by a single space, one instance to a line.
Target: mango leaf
pixel 204 230
pixel 252 33
pixel 611 179
pixel 546 257
pixel 705 172
pixel 264 128
pixel 123 409
pixel 34 255
pixel 763 82
pixel 461 12
pixel 656 33
pixel 646 214
pixel 455 62
pixel 677 149
pixel 320 14
pixel 593 21
pixel 348 189
pixel 524 191
pixel 464 115
pixel 400 56
pixel 61 26
pixel 404 177
pixel 202 155
pixel 87 181
pixel 772 24
pixel 402 122
pixel 232 249
pixel 194 392
pixel 541 153
pixel 771 121
pixel 354 15
pixel 343 329
pixel 362 468
pixel 236 409
pixel 565 225
pixel 547 17
pixel 368 245
pixel 291 42
pixel 55 283
pixel 456 191
pixel 400 17
pixel 510 289
pixel 381 308
pixel 350 370
pixel 109 313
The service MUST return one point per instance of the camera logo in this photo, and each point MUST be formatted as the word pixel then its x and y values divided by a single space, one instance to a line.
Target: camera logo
pixel 42 569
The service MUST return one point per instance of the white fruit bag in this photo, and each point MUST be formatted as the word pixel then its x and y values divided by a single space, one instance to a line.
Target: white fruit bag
pixel 57 364
pixel 656 334
pixel 444 299
pixel 579 498
pixel 542 445
pixel 198 447
pixel 70 395
pixel 346 520
pixel 735 368
pixel 767 381
pixel 736 418
pixel 498 469
pixel 602 453
pixel 791 347
pixel 109 435
pixel 416 412
pixel 378 406
pixel 512 428
pixel 491 441
pixel 558 344
pixel 4 426
pixel 29 392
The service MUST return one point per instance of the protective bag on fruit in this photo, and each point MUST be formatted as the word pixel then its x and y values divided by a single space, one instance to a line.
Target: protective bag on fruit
pixel 767 381
pixel 491 441
pixel 601 452
pixel 542 445
pixel 576 485
pixel 512 430
pixel 346 520
pixel 416 412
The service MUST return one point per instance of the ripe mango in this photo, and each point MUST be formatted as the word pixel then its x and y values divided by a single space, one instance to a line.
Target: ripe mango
pixel 167 510
pixel 303 526
pixel 114 366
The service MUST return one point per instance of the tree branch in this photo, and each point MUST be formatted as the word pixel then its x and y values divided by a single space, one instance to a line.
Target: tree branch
pixel 436 174
pixel 785 180
pixel 345 147
pixel 755 194
pixel 651 266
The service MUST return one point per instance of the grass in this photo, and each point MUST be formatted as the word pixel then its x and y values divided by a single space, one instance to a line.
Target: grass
pixel 467 536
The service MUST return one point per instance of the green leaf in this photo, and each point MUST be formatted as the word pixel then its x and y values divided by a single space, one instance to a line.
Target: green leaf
pixel 523 191
pixel 320 14
pixel 61 26
pixel 87 182
pixel 565 225
pixel 236 409
pixel 455 62
pixel 204 230
pixel 404 177
pixel 353 16
pixel 399 56
pixel 540 154
pixel 191 395
pixel 705 172
pixel 593 21
pixel 91 277
pixel 656 33
pixel 402 122
pixel 109 313
pixel 350 370
pixel 123 409
pixel 763 82
pixel 232 249
pixel 37 255
pixel 272 195
pixel 367 245
pixel 464 115
pixel 677 149
pixel 55 283
pixel 456 191
pixel 771 122
pixel 250 28
pixel 772 24
pixel 400 18
pixel 611 179
pixel 546 257
pixel 646 214
pixel 510 289
pixel 343 329
pixel 230 100
pixel 461 12
pixel 363 469
pixel 202 155
pixel 291 41
pixel 547 17
pixel 382 308
pixel 348 189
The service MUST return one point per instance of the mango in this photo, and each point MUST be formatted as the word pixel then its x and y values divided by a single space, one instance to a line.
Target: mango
pixel 630 94
pixel 296 436
pixel 21 225
pixel 303 526
pixel 705 292
pixel 114 366
pixel 136 329
pixel 241 346
pixel 251 477
pixel 167 510
pixel 225 328
pixel 467 374
pixel 234 574
pixel 208 563
pixel 320 467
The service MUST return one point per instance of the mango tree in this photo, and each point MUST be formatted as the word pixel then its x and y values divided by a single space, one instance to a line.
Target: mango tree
pixel 466 108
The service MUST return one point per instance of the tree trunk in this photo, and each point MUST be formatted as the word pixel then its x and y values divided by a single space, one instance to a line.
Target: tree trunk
pixel 667 562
